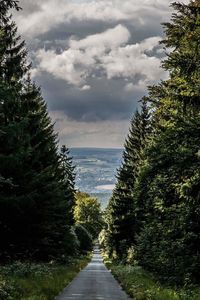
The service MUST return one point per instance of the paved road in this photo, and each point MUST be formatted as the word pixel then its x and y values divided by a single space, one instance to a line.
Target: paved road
pixel 94 282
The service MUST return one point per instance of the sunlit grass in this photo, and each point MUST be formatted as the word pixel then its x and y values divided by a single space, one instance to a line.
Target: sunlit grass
pixel 141 285
pixel 40 282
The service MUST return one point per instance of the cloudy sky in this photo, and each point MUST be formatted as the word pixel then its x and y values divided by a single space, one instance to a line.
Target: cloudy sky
pixel 93 60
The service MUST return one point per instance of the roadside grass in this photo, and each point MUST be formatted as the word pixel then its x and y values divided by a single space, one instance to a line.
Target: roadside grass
pixel 27 281
pixel 141 285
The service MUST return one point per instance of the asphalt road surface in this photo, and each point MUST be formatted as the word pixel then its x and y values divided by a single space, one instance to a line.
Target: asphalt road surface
pixel 94 282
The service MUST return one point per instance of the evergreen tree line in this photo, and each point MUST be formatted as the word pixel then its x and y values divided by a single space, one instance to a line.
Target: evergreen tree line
pixel 154 213
pixel 37 180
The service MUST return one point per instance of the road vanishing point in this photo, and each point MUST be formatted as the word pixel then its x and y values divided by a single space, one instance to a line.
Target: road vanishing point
pixel 94 282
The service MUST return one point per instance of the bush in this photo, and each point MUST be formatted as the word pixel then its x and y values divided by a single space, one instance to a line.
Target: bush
pixel 84 237
pixel 25 269
pixel 37 281
pixel 8 290
pixel 71 245
pixel 168 253
pixel 141 285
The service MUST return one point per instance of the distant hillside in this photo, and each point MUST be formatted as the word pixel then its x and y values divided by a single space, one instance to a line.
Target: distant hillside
pixel 96 170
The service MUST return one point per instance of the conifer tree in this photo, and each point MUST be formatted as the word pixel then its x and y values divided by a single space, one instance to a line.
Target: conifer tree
pixel 179 95
pixel 5 5
pixel 122 225
pixel 165 192
pixel 68 181
pixel 169 179
pixel 10 128
pixel 35 214
pixel 182 35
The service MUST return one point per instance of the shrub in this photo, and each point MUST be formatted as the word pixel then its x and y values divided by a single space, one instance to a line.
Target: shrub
pixel 84 237
pixel 8 291
pixel 71 245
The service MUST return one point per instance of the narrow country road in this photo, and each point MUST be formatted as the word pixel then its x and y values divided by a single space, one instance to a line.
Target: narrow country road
pixel 94 282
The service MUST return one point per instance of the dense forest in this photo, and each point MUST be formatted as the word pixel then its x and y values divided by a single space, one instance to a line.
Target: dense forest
pixel 37 179
pixel 153 217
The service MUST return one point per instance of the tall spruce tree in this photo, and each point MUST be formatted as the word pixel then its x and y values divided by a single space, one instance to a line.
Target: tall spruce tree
pixel 122 222
pixel 68 180
pixel 166 190
pixel 169 180
pixel 168 184
pixel 9 100
pixel 34 208
pixel 182 35
pixel 179 95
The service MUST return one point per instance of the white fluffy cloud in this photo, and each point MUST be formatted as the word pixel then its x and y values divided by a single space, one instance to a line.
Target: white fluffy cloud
pixel 107 52
pixel 68 39
pixel 107 40
pixel 132 60
pixel 50 13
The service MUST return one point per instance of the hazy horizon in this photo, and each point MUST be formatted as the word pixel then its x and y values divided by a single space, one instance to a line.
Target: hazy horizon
pixel 96 170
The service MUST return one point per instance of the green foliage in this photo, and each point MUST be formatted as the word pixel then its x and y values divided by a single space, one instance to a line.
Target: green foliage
pixel 68 181
pixel 37 281
pixel 8 291
pixel 84 238
pixel 37 182
pixel 169 243
pixel 153 216
pixel 141 285
pixel 87 212
pixel 182 33
pixel 71 245
pixel 122 224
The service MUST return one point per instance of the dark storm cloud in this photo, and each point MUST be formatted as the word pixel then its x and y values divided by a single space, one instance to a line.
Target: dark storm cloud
pixel 108 93
pixel 29 7
pixel 104 101
pixel 80 29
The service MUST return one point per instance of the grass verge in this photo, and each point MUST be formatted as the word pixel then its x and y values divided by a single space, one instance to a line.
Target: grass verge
pixel 21 281
pixel 141 285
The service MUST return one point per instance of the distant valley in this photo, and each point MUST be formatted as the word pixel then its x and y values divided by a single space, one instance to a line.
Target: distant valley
pixel 96 170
